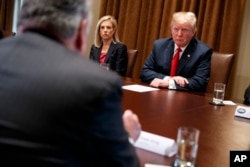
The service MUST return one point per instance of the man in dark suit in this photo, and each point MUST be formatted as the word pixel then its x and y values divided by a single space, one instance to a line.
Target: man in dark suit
pixel 57 108
pixel 192 70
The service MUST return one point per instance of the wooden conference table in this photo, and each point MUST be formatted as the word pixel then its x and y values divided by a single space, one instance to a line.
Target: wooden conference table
pixel 161 112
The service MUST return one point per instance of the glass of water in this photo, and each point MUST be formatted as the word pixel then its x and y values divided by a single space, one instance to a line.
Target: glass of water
pixel 187 143
pixel 219 93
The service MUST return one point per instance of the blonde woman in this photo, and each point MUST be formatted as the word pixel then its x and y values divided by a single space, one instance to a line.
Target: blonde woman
pixel 107 48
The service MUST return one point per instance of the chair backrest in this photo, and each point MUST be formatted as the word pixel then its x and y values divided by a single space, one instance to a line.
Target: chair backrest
pixel 221 65
pixel 132 55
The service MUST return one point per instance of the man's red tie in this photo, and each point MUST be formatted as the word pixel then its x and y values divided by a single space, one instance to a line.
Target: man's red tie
pixel 174 62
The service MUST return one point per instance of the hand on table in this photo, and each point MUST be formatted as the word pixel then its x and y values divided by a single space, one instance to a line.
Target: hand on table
pixel 159 83
pixel 181 81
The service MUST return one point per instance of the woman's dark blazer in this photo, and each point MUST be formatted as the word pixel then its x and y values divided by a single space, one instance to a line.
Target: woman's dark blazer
pixel 117 57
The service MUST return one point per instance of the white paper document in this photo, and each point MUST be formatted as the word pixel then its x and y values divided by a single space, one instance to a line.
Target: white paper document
pixel 242 111
pixel 228 102
pixel 156 143
pixel 139 88
pixel 155 165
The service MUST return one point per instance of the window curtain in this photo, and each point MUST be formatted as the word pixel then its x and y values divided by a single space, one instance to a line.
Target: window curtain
pixel 6 14
pixel 140 22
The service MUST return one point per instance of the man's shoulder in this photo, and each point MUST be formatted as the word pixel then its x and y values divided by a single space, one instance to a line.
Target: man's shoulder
pixel 201 44
pixel 198 48
pixel 83 74
pixel 70 64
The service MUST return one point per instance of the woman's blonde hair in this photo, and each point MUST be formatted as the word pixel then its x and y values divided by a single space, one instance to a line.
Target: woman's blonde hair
pixel 98 39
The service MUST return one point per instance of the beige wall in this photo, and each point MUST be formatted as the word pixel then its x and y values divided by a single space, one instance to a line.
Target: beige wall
pixel 240 77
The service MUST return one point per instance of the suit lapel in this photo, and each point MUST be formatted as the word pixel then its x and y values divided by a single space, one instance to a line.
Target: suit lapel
pixel 97 53
pixel 169 51
pixel 186 56
pixel 110 52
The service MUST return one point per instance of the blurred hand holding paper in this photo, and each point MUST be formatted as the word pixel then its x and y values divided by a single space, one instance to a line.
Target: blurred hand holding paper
pixel 157 144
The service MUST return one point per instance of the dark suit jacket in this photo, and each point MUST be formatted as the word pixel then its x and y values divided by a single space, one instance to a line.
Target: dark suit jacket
pixel 117 57
pixel 58 109
pixel 193 65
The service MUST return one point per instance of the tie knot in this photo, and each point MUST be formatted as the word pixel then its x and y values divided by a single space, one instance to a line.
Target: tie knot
pixel 178 49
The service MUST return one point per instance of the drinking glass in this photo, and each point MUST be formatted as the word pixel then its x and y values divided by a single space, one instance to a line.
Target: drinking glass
pixel 187 144
pixel 219 93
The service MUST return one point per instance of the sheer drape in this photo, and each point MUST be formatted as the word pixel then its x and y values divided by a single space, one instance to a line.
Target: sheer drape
pixel 140 22
pixel 6 14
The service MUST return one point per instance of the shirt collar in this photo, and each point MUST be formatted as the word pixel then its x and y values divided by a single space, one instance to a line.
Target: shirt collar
pixel 182 48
